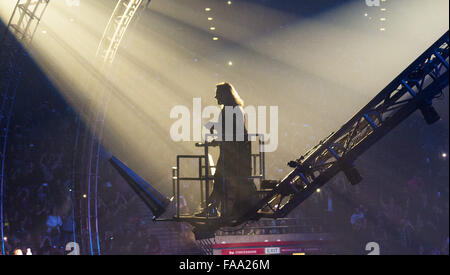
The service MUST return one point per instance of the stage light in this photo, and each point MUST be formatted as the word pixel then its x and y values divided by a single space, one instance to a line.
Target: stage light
pixel 230 63
pixel 5 239
pixel 229 2
pixel 213 28
pixel 444 155
pixel 155 201
pixel 210 19
pixel 207 9
pixel 215 38
pixel 18 252
pixel 29 251
pixel 84 196
pixel 318 190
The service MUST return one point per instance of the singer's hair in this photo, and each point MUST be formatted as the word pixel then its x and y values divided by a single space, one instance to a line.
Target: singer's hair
pixel 229 94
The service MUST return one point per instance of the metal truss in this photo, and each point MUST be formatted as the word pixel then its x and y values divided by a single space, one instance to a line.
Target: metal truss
pixel 21 28
pixel 25 19
pixel 20 31
pixel 413 89
pixel 117 26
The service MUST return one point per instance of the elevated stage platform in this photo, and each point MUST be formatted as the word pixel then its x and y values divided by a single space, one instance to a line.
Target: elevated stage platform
pixel 413 89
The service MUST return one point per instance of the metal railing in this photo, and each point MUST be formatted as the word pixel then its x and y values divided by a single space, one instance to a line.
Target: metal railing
pixel 279 226
pixel 206 171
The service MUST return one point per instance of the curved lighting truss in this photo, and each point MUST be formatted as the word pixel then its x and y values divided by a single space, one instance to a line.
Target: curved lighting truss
pixel 125 13
pixel 115 30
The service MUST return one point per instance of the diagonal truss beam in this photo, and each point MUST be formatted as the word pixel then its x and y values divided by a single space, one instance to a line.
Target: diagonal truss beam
pixel 415 88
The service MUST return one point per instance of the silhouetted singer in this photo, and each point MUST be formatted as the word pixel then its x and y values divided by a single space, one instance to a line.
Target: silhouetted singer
pixel 233 189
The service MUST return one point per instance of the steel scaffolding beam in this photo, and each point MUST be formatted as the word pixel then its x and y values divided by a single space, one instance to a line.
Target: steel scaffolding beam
pixel 415 88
